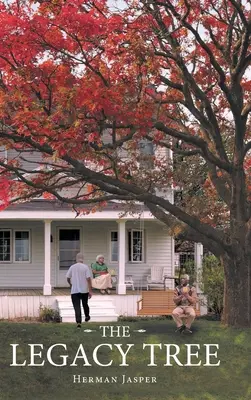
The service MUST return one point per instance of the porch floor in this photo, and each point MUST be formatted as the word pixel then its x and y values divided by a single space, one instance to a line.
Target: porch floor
pixel 33 292
pixel 55 292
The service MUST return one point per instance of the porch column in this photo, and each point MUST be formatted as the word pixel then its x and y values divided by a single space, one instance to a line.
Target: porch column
pixel 121 287
pixel 198 255
pixel 47 258
pixel 172 281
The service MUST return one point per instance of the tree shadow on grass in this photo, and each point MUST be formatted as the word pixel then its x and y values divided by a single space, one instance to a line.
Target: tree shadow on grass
pixel 164 329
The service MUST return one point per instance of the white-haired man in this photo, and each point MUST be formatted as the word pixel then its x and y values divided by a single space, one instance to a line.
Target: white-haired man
pixel 79 278
pixel 185 298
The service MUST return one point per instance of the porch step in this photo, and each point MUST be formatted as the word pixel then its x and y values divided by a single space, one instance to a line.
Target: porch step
pixel 102 309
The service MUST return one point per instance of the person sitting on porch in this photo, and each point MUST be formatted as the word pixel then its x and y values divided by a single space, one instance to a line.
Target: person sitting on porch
pixel 102 280
pixel 185 298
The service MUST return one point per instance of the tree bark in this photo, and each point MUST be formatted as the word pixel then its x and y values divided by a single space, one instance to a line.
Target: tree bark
pixel 237 290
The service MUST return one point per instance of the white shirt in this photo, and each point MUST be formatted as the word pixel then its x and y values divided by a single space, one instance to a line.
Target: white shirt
pixel 79 273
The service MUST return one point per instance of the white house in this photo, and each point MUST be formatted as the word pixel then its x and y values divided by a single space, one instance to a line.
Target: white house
pixel 40 239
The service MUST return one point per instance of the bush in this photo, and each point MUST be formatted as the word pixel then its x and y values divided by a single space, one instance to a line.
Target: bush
pixel 48 314
pixel 212 284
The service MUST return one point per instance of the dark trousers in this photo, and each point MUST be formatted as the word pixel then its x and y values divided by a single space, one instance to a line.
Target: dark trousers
pixel 76 299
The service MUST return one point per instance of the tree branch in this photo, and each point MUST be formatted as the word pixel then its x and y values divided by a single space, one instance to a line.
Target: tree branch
pixel 198 142
pixel 243 60
pixel 238 8
pixel 219 185
pixel 185 153
pixel 211 125
pixel 123 190
pixel 185 232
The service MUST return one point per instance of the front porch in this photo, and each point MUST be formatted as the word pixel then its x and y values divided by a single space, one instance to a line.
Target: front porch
pixel 25 303
pixel 36 254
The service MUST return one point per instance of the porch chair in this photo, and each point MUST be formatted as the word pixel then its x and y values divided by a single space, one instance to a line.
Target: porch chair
pixel 129 281
pixel 157 278
pixel 113 274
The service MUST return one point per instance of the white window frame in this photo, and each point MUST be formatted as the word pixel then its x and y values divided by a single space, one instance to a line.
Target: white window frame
pixel 11 255
pixel 143 246
pixel 14 250
pixel 110 246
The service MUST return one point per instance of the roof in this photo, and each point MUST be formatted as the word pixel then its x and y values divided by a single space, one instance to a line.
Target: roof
pixel 55 205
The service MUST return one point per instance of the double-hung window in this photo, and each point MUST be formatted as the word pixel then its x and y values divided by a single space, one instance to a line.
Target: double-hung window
pixel 15 246
pixel 5 245
pixel 21 246
pixel 136 246
pixel 114 256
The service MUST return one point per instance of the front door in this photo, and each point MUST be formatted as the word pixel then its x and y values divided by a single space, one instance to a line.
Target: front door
pixel 69 245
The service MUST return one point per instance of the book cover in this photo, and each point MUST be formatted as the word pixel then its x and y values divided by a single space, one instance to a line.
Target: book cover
pixel 108 110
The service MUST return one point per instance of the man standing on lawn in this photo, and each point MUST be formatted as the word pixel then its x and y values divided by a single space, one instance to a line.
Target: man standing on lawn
pixel 185 298
pixel 79 279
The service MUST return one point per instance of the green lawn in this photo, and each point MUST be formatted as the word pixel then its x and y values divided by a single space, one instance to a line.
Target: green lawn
pixel 229 381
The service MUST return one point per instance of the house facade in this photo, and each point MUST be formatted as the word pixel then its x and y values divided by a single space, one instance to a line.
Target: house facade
pixel 39 240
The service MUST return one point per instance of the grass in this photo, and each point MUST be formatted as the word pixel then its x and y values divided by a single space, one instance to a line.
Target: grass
pixel 229 381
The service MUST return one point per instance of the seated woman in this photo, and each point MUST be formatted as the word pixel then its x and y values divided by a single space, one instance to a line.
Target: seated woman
pixel 101 278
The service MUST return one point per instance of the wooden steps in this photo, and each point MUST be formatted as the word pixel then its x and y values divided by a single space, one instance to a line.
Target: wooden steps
pixel 158 302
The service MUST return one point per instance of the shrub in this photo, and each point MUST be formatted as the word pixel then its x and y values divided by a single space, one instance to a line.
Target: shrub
pixel 212 283
pixel 48 314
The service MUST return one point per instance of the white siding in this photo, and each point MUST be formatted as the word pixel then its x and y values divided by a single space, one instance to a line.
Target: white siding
pixel 95 240
pixel 107 136
pixel 28 306
pixel 162 153
pixel 126 305
pixel 25 275
pixel 166 193
pixel 2 152
pixel 24 306
pixel 31 159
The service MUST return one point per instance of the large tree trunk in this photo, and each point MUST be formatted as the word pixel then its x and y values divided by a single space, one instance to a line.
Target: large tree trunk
pixel 237 290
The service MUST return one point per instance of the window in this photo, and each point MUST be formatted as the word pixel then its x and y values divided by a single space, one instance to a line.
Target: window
pixel 146 150
pixel 5 245
pixel 146 147
pixel 19 251
pixel 22 246
pixel 114 246
pixel 135 246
